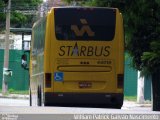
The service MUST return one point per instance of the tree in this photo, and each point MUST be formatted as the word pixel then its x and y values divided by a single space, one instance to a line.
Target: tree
pixel 20 16
pixel 144 42
pixel 142 30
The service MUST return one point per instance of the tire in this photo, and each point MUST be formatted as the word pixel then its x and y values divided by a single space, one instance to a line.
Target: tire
pixel 39 99
pixel 118 106
pixel 30 98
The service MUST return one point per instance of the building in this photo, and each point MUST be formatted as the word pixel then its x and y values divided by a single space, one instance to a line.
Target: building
pixel 11 41
pixel 15 41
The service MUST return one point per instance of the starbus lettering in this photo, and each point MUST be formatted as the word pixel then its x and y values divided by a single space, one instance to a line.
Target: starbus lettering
pixel 84 50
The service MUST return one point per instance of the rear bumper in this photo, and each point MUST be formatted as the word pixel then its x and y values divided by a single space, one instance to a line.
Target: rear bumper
pixel 113 100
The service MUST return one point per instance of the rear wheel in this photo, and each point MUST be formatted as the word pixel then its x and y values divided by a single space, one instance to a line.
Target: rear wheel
pixel 39 99
pixel 30 98
pixel 118 106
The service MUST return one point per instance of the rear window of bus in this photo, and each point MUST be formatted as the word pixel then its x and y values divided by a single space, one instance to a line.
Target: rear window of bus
pixel 85 24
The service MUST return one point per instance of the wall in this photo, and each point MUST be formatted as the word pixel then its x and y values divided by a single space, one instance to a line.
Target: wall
pixel 20 78
pixel 130 84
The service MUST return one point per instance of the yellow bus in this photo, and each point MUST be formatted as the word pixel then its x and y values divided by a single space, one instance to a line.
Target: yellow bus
pixel 77 58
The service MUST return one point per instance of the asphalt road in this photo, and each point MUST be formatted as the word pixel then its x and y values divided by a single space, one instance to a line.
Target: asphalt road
pixel 17 104
pixel 25 102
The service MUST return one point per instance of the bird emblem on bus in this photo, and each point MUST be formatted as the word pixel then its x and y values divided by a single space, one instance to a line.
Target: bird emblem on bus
pixel 85 29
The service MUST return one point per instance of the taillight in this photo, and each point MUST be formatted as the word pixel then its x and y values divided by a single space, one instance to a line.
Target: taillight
pixel 48 80
pixel 120 80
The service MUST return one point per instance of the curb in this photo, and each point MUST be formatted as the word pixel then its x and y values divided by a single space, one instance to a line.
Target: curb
pixel 14 96
pixel 134 103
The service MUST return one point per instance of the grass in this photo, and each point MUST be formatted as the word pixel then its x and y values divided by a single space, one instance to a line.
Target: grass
pixel 130 98
pixel 12 91
pixel 26 92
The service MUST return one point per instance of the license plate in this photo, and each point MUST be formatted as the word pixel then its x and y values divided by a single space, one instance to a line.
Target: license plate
pixel 85 84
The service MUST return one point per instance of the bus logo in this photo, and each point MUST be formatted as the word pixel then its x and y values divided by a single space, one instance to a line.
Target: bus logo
pixel 85 29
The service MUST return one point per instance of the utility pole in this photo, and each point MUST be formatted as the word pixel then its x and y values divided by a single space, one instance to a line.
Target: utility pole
pixel 6 50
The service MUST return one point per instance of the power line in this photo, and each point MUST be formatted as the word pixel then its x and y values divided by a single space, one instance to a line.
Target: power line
pixel 24 9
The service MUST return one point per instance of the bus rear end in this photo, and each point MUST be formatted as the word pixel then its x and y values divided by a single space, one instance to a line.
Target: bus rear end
pixel 86 58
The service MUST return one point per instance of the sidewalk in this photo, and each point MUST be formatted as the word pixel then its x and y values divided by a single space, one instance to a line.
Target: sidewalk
pixel 135 104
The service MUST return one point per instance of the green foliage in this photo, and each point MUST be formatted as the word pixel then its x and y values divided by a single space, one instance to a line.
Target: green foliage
pixel 18 18
pixel 11 90
pixel 24 92
pixel 68 1
pixel 151 60
pixel 102 3
pixel 2 15
pixel 145 36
